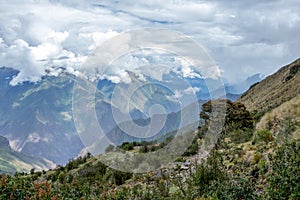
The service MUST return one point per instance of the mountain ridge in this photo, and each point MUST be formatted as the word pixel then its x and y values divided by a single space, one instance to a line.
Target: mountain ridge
pixel 12 161
pixel 275 89
pixel 37 117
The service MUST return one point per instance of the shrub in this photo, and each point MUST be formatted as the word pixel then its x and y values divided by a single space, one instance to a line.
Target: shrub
pixel 263 135
pixel 256 158
pixel 237 188
pixel 289 125
pixel 120 177
pixel 144 149
pixel 241 136
pixel 284 177
pixel 193 149
pixel 207 174
pixel 61 177
pixel 262 166
pixel 127 146
pixel 257 116
pixel 180 159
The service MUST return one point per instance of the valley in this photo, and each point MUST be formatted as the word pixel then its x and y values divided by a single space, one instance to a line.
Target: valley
pixel 246 161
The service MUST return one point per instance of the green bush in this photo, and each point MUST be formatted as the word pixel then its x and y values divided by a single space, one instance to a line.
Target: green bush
pixel 120 177
pixel 283 180
pixel 263 135
pixel 257 115
pixel 289 125
pixel 240 136
pixel 193 149
pixel 61 177
pixel 236 188
pixel 127 146
pixel 180 159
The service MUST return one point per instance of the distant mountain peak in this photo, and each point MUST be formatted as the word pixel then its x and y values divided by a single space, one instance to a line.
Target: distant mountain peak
pixel 4 142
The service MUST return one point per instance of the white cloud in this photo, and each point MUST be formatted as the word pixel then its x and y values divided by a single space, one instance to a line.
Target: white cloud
pixel 188 72
pixel 178 94
pixel 34 39
pixel 191 90
pixel 121 76
pixel 35 138
pixel 241 37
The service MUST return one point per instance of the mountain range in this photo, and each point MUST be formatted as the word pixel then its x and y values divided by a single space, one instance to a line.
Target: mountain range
pixel 37 118
pixel 12 161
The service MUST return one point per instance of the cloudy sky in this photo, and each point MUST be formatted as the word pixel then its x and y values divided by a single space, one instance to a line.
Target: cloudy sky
pixel 242 37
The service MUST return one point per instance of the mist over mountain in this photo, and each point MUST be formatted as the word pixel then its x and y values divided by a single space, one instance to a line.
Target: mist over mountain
pixel 37 118
pixel 241 87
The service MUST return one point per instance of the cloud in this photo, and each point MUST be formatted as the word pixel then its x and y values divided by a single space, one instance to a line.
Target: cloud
pixel 179 94
pixel 156 65
pixel 34 40
pixel 121 76
pixel 191 90
pixel 242 38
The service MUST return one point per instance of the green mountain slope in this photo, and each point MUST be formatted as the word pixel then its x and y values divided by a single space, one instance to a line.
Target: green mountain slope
pixel 247 161
pixel 255 168
pixel 12 161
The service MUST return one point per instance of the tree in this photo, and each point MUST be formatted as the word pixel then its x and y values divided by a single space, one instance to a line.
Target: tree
pixel 237 118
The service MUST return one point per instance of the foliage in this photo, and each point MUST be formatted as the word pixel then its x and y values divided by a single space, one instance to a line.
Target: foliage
pixel 240 136
pixel 209 179
pixel 285 172
pixel 236 188
pixel 237 116
pixel 127 146
pixel 193 149
pixel 263 135
pixel 237 125
pixel 257 115
pixel 289 125
pixel 237 169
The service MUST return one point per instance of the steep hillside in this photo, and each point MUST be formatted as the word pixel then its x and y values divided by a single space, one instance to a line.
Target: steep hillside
pixel 12 161
pixel 37 118
pixel 242 165
pixel 274 90
pixel 283 120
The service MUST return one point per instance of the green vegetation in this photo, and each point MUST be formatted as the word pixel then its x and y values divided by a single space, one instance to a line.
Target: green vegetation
pixel 238 124
pixel 285 172
pixel 263 135
pixel 209 179
pixel 244 164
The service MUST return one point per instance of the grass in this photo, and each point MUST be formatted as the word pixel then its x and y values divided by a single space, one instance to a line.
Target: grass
pixel 284 120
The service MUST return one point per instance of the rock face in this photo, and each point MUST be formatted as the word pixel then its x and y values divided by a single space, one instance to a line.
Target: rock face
pixel 293 71
pixel 274 90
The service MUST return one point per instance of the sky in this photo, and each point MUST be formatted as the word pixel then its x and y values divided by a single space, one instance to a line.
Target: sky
pixel 242 37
